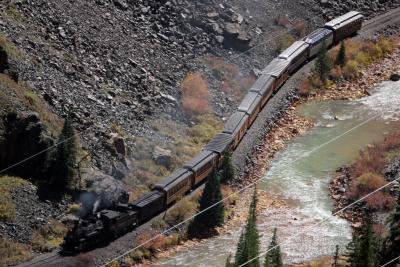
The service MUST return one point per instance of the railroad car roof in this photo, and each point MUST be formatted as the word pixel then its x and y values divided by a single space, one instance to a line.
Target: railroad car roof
pixel 110 214
pixel 317 35
pixel 294 50
pixel 249 102
pixel 346 18
pixel 219 143
pixel 262 84
pixel 200 160
pixel 147 198
pixel 276 67
pixel 235 122
pixel 173 179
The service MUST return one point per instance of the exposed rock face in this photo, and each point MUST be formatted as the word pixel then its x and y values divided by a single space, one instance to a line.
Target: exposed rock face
pixel 162 156
pixel 22 137
pixel 3 60
pixel 395 77
pixel 31 213
pixel 369 8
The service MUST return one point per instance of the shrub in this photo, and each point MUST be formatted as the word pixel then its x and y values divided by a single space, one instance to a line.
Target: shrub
pixel 304 88
pixel 49 236
pixel 380 201
pixel 386 45
pixel 283 42
pixel 7 205
pixel 283 21
pixel 181 211
pixel 336 73
pixel 208 126
pixel 392 141
pixel 366 183
pixel 363 59
pixel 371 160
pixel 351 70
pixel 13 253
pixel 83 260
pixel 300 28
pixel 195 95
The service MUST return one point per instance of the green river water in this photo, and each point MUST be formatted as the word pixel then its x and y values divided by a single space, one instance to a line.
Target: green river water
pixel 302 178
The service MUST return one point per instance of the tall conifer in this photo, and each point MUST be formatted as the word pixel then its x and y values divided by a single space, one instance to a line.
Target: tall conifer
pixel 249 243
pixel 364 247
pixel 227 169
pixel 323 64
pixel 341 56
pixel 211 217
pixel 392 243
pixel 63 163
pixel 274 257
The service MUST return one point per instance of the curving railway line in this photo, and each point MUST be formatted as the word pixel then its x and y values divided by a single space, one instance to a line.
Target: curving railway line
pixel 192 174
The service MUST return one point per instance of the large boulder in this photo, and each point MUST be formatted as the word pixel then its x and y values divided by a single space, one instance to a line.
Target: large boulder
pixel 162 156
pixel 395 77
pixel 235 38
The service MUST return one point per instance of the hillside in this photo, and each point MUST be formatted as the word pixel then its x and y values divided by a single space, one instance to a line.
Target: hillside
pixel 129 74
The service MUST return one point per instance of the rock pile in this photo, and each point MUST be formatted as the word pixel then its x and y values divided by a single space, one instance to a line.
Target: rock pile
pixel 369 8
pixel 31 213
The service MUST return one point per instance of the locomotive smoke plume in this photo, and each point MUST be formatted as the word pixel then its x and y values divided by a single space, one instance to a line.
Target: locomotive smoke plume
pixel 104 191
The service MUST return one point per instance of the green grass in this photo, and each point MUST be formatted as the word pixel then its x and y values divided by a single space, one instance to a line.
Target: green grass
pixel 7 206
pixel 49 236
pixel 13 253
pixel 30 99
pixel 11 49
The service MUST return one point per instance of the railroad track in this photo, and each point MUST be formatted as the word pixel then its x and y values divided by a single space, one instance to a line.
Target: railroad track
pixel 380 22
pixel 369 27
pixel 43 260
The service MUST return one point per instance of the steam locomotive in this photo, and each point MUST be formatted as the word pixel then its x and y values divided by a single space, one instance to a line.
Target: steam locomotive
pixel 113 222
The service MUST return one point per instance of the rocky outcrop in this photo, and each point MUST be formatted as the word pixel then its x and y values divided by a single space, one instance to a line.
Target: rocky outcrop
pixel 30 213
pixel 369 8
pixel 23 136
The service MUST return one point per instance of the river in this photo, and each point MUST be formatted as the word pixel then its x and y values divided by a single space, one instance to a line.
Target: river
pixel 302 178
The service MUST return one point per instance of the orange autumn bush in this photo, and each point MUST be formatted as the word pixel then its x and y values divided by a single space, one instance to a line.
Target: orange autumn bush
pixel 195 95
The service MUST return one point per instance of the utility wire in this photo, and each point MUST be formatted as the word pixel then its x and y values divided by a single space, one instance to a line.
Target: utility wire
pixel 389 262
pixel 238 191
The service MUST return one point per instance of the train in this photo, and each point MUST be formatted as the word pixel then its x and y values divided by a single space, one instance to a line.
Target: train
pixel 110 223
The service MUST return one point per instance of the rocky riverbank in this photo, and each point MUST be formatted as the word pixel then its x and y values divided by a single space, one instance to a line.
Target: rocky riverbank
pixel 383 70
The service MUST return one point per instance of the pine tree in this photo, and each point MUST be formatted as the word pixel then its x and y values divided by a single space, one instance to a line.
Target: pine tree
pixel 63 162
pixel 392 243
pixel 336 257
pixel 249 243
pixel 341 56
pixel 364 247
pixel 211 217
pixel 274 256
pixel 323 64
pixel 227 169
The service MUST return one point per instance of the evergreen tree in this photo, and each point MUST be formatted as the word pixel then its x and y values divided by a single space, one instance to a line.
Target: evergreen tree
pixel 364 247
pixel 341 56
pixel 211 217
pixel 249 243
pixel 323 64
pixel 227 169
pixel 63 162
pixel 273 257
pixel 336 257
pixel 392 243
